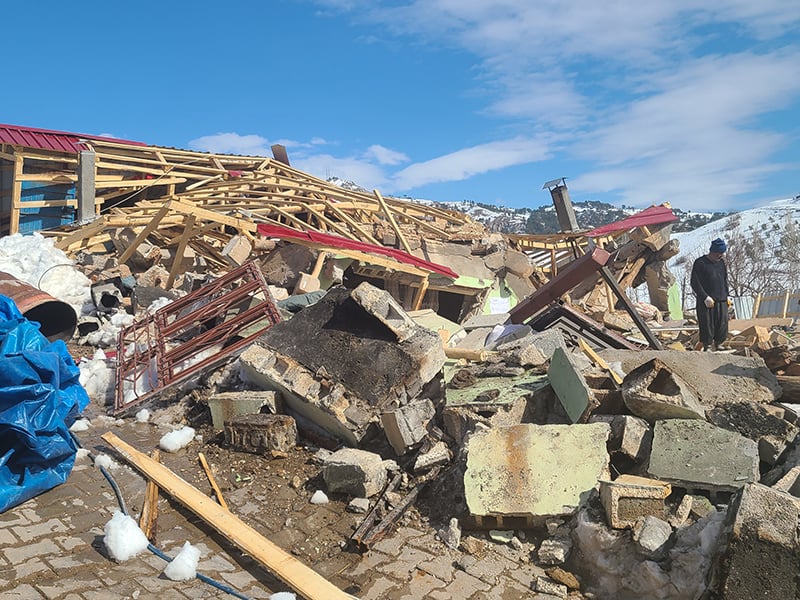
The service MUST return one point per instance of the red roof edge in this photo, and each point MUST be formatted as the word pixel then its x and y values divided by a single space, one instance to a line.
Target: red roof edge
pixel 335 241
pixel 654 215
pixel 52 132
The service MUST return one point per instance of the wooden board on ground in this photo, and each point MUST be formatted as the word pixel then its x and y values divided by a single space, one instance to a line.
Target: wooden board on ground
pixel 300 577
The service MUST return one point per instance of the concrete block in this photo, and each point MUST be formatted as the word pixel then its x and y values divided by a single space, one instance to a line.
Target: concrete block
pixel 652 391
pixel 436 456
pixel 696 455
pixel 547 341
pixel 534 470
pixel 261 433
pixel 355 472
pixel 630 436
pixel 789 483
pixel 494 261
pixel 545 585
pixel 484 321
pixel 569 385
pixel 227 405
pixel 405 427
pixel 629 498
pixel 682 512
pixel 554 551
pixel 155 276
pixel 757 422
pixel 237 250
pixel 278 293
pixel 761 558
pixel 341 365
pixel 651 535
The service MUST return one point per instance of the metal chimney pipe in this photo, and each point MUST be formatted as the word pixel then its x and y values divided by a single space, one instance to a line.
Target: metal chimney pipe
pixel 57 319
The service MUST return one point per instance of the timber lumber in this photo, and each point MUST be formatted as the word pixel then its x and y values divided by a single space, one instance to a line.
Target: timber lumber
pixel 204 463
pixel 477 355
pixel 149 516
pixel 300 577
pixel 598 360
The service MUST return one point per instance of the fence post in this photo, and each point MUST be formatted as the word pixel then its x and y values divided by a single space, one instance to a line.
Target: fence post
pixel 785 304
pixel 757 306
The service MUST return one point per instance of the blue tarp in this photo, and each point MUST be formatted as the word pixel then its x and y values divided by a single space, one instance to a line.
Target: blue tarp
pixel 40 398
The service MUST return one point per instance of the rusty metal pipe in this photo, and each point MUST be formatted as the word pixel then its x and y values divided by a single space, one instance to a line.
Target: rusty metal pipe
pixel 57 319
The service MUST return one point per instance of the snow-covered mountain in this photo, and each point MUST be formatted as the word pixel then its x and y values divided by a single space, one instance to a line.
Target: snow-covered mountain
pixel 543 219
pixel 764 220
pixel 763 254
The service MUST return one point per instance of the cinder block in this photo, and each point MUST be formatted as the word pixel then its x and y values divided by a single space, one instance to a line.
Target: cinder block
pixel 408 425
pixel 630 436
pixel 355 472
pixel 261 433
pixel 629 498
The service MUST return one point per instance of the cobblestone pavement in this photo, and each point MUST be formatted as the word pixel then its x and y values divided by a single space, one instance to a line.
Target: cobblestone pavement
pixel 52 547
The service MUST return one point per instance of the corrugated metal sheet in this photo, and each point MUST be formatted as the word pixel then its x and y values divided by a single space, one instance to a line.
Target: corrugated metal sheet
pixel 47 139
pixel 649 216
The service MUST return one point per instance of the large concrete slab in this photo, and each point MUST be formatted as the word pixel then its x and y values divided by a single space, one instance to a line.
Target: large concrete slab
pixel 696 455
pixel 715 377
pixel 346 359
pixel 566 379
pixel 534 470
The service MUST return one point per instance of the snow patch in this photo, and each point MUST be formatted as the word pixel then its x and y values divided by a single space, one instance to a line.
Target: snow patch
pixel 184 566
pixel 175 440
pixel 123 538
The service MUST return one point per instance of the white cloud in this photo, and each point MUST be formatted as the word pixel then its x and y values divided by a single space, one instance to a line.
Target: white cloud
pixel 467 162
pixel 364 173
pixel 232 143
pixel 385 156
pixel 663 97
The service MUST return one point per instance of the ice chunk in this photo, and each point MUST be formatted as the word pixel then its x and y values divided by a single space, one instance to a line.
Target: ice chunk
pixel 184 566
pixel 123 538
pixel 175 440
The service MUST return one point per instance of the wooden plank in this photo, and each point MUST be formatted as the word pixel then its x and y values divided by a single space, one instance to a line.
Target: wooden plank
pixel 420 295
pixel 204 463
pixel 392 222
pixel 149 516
pixel 210 215
pixel 188 231
pixel 598 360
pixel 16 194
pixel 81 234
pixel 300 577
pixel 149 228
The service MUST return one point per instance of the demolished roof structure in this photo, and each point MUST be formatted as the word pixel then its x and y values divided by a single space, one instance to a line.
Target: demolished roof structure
pixel 388 400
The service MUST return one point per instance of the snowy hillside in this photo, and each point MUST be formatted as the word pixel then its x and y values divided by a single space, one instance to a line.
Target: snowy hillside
pixel 763 254
pixel 764 219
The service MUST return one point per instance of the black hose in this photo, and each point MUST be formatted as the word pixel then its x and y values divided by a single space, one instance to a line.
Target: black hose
pixel 151 547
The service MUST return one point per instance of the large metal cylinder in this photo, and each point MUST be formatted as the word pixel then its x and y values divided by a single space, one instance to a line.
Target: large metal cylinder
pixel 57 319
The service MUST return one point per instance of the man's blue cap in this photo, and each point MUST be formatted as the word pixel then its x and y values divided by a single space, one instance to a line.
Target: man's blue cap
pixel 718 245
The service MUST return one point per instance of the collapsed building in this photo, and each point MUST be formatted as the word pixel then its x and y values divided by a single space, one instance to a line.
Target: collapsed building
pixel 504 386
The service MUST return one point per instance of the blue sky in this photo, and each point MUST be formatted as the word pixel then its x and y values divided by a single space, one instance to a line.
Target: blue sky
pixel 694 103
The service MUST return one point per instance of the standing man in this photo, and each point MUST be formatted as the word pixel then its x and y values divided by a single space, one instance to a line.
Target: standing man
pixel 710 286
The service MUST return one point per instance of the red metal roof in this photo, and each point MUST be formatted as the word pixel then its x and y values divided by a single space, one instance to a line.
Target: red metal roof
pixel 47 139
pixel 649 216
pixel 335 241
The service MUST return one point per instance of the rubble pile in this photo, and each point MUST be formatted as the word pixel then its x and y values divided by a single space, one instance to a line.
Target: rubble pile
pixel 505 391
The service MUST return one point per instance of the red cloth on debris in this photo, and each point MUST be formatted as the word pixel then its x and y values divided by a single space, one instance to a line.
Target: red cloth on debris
pixel 649 216
pixel 335 241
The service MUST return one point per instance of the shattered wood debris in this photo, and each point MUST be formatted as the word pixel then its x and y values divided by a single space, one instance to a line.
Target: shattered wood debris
pixel 489 389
